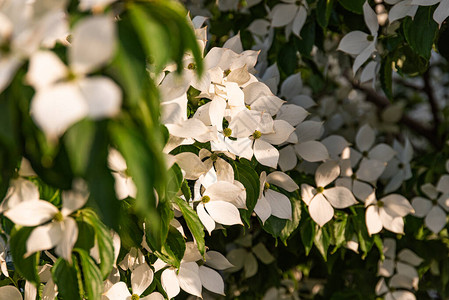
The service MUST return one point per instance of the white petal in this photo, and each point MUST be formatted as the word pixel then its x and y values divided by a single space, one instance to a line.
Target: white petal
pixel 409 257
pixel 401 10
pixel 320 210
pixel 207 220
pixel 422 206
pixel 291 86
pixel 354 42
pixel 282 180
pixel 45 68
pixel 8 67
pixel 72 201
pixel 58 107
pixel 250 265
pixel 370 169
pixel 282 14
pixel 391 223
pixel 287 158
pixel 259 27
pixel 266 154
pixel 382 152
pixel 443 200
pixel 364 139
pixel 44 237
pixel 32 213
pixel 326 173
pixel 191 164
pixel 241 147
pixel 68 239
pixel 118 291
pixel 103 96
pixel 234 43
pixel 372 219
pixel 170 283
pixel 293 114
pixel 141 278
pixel 263 209
pixel 401 281
pixel 222 191
pixel 443 184
pixel 299 20
pixel 237 257
pixel 281 206
pixel 362 191
pixel 435 219
pixel 442 12
pixel 339 197
pixel 189 279
pixel 363 57
pixel 282 131
pixel 370 18
pixel 429 190
pixel 211 280
pixel 153 296
pixel 386 267
pixel 403 295
pixel 309 130
pixel 223 212
pixel 224 170
pixel 397 205
pixel 307 193
pixel 312 151
pixel 216 112
pixel 93 43
pixel 381 287
pixel 217 260
pixel 335 144
pixel 10 292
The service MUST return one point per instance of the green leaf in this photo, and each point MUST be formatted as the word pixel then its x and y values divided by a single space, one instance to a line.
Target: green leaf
pixel 307 230
pixel 193 222
pixel 156 234
pixel 307 40
pixel 27 267
pixel 173 249
pixel 100 180
pixel 386 75
pixel 103 238
pixel 365 241
pixel 246 174
pixel 292 224
pixel 420 32
pixel 185 189
pixel 130 232
pixel 93 282
pixel 153 35
pixel 323 12
pixel 338 232
pixel 174 182
pixel 443 41
pixel 287 58
pixel 66 278
pixel 274 226
pixel 78 141
pixel 322 241
pixel 355 6
pixel 141 163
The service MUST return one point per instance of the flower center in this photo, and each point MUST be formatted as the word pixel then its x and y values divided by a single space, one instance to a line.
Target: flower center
pixel 226 72
pixel 248 107
pixel 58 217
pixel 365 153
pixel 380 204
pixel 135 297
pixel 214 157
pixel 191 66
pixel 401 166
pixel 353 176
pixel 370 38
pixel 257 134
pixel 266 186
pixel 227 132
pixel 205 199
pixel 320 189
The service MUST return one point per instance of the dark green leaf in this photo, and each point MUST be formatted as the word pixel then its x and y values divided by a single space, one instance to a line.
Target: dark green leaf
pixel 93 282
pixel 250 179
pixel 322 241
pixel 307 40
pixel 355 6
pixel 287 58
pixel 173 249
pixel 323 12
pixel 66 278
pixel 421 31
pixel 292 224
pixel 274 226
pixel 193 222
pixel 307 230
pixel 386 71
pixel 78 141
pixel 27 267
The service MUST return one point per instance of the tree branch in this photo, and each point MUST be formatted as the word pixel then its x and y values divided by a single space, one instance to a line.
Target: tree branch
pixel 382 103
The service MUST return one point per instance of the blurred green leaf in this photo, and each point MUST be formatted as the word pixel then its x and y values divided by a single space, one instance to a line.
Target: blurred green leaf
pixel 193 222
pixel 27 267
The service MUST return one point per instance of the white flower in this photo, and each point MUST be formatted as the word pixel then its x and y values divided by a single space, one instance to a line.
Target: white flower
pixel 387 213
pixel 290 14
pixel 321 200
pixel 401 9
pixel 360 44
pixel 271 202
pixel 65 95
pixel 61 232
pixel 398 168
pixel 124 185
pixel 141 278
pixel 435 209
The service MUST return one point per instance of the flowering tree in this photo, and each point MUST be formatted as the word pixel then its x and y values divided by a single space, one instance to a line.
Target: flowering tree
pixel 254 149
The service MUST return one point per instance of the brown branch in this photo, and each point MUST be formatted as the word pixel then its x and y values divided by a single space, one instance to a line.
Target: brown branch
pixel 432 101
pixel 382 103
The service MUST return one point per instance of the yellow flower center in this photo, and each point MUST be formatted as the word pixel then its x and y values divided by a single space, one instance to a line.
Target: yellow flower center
pixel 58 217
pixel 320 189
pixel 257 134
pixel 227 132
pixel 380 204
pixel 135 297
pixel 205 199
pixel 191 66
pixel 213 156
pixel 267 186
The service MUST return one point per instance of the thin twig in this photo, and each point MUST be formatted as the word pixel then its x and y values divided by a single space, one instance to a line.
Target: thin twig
pixel 432 101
